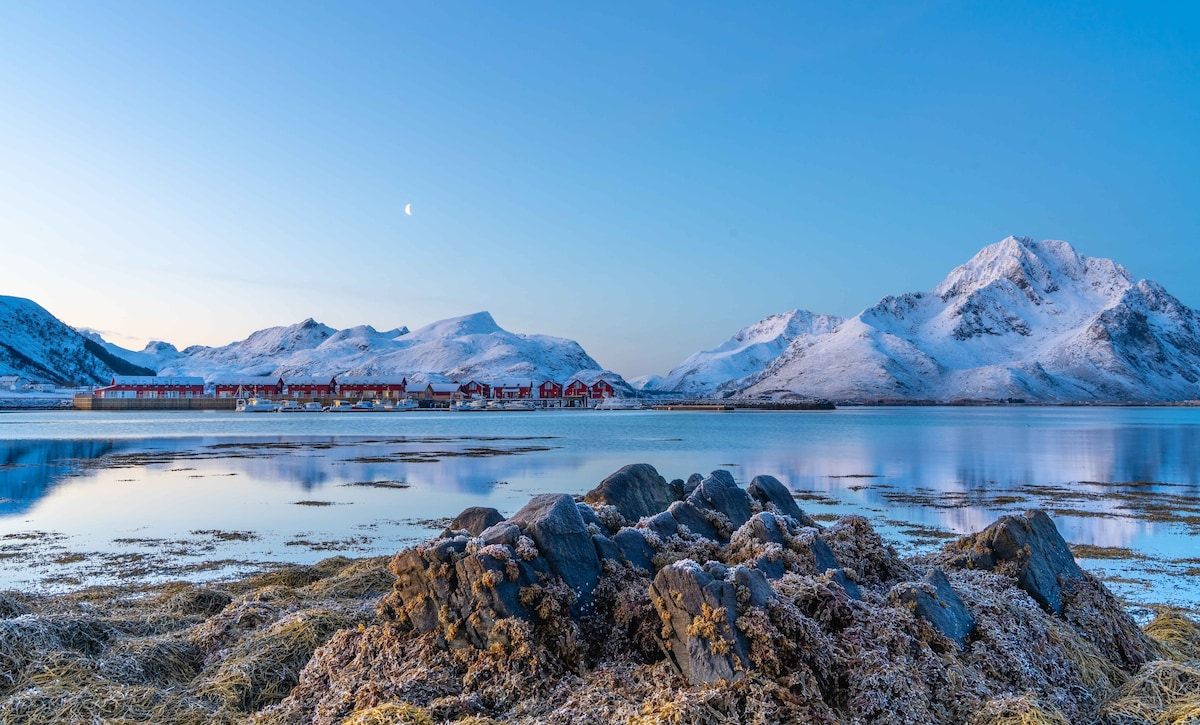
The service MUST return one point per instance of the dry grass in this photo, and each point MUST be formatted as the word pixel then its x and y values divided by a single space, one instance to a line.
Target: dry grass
pixel 1163 693
pixel 390 714
pixel 1176 634
pixel 1020 710
pixel 177 653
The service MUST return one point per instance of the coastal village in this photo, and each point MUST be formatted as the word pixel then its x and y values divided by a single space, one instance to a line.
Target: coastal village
pixel 582 390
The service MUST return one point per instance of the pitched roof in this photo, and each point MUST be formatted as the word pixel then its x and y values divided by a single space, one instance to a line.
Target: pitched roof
pixel 155 380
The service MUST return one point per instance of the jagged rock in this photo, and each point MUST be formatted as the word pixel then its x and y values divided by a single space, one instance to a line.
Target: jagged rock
pixel 776 545
pixel 590 519
pixel 839 577
pixel 698 521
pixel 1026 547
pixel 698 607
pixel 663 526
pixel 606 549
pixel 720 493
pixel 935 601
pixel 501 533
pixel 634 549
pixel 474 519
pixel 692 483
pixel 768 491
pixel 636 491
pixel 554 524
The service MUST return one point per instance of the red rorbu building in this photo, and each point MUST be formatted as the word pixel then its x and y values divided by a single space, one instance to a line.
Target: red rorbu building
pixel 576 389
pixel 151 386
pixel 251 386
pixel 550 389
pixel 513 389
pixel 601 389
pixel 309 387
pixel 372 386
pixel 475 389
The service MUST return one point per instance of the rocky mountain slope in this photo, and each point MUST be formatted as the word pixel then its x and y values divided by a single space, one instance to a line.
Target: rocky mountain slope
pixel 1035 321
pixel 38 346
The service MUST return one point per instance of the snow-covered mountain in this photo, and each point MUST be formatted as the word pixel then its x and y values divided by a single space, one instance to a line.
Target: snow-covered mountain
pixel 38 346
pixel 748 352
pixel 1022 319
pixel 460 348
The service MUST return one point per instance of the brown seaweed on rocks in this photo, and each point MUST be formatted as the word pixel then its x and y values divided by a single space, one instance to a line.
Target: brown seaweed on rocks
pixel 724 605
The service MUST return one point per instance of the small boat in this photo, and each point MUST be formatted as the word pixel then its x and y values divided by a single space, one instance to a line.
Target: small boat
pixel 255 405
pixel 289 406
pixel 311 407
pixel 338 406
pixel 615 403
pixel 363 406
pixel 403 404
pixel 470 406
pixel 519 405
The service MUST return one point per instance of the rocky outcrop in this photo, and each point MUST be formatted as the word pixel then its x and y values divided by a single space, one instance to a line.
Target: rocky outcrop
pixel 934 600
pixel 1030 550
pixel 723 589
pixel 634 491
pixel 474 520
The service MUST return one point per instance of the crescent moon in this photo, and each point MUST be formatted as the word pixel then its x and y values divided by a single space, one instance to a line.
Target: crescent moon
pixel 408 209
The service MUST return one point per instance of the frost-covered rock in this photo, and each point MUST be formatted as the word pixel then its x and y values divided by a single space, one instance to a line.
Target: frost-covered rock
pixel 778 623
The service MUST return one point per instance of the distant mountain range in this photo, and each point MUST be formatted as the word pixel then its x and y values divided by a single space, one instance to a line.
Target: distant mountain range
pixel 460 348
pixel 1034 321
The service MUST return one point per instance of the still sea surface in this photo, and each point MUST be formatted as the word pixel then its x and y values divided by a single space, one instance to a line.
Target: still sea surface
pixel 91 497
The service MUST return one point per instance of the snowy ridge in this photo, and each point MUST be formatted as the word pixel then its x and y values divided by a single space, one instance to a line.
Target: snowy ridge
pixel 748 352
pixel 37 345
pixel 1030 320
pixel 459 348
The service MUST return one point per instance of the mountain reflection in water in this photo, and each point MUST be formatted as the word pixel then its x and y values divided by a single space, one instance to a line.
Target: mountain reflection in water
pixel 1110 477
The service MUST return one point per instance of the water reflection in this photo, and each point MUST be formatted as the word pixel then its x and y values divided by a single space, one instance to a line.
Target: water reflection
pixel 952 470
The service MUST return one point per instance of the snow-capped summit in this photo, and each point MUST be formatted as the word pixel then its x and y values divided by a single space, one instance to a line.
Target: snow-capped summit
pixel 1022 319
pixel 471 346
pixel 749 350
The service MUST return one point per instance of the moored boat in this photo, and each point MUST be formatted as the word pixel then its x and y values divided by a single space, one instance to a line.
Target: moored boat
pixel 255 405
pixel 615 403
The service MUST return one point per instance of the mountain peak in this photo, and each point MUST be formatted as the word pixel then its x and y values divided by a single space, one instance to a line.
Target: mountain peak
pixel 1035 269
pixel 477 323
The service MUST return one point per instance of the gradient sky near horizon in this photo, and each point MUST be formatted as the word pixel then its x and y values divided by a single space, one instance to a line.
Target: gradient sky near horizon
pixel 644 178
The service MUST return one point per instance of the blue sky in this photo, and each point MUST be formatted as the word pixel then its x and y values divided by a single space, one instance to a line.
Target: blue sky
pixel 645 178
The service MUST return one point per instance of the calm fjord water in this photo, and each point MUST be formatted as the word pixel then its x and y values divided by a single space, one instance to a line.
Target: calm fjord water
pixel 93 497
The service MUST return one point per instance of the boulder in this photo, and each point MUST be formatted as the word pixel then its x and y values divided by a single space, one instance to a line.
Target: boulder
pixel 935 601
pixel 501 533
pixel 1026 547
pixel 697 520
pixel 634 549
pixel 474 519
pixel 768 491
pixel 720 493
pixel 692 483
pixel 698 608
pixel 635 491
pixel 554 524
pixel 663 526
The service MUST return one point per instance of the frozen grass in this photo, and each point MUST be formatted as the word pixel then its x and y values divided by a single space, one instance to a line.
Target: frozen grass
pixel 177 653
